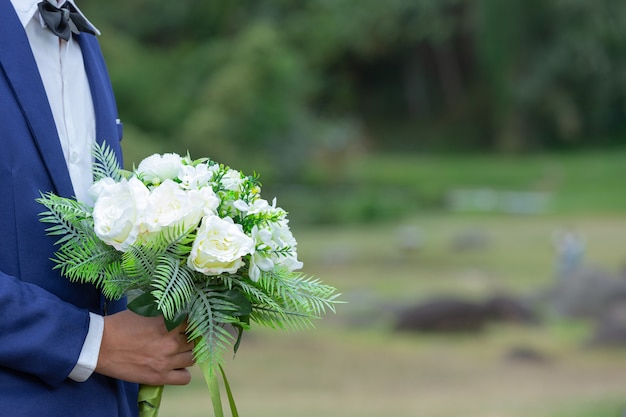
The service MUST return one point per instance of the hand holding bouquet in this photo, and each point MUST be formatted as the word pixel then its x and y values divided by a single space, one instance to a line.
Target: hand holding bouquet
pixel 190 240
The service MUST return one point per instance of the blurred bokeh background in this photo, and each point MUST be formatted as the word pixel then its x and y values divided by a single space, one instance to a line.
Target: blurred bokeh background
pixel 455 167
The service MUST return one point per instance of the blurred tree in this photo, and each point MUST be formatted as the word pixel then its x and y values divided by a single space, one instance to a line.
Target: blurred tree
pixel 267 78
pixel 553 70
pixel 255 100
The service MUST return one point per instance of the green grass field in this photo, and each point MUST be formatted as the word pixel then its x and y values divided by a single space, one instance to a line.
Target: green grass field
pixel 353 364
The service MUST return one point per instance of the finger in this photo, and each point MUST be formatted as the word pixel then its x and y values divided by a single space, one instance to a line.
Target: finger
pixel 188 347
pixel 184 350
pixel 178 377
pixel 183 342
pixel 183 360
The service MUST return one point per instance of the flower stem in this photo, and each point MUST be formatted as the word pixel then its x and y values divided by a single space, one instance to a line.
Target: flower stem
pixel 210 377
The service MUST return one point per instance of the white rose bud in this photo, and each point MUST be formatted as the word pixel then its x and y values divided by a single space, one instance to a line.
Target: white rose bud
pixel 157 168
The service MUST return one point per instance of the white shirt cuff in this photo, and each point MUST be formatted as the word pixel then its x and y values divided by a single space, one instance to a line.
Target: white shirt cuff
pixel 88 358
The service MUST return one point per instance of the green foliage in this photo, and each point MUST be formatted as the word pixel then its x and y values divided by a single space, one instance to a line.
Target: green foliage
pixel 257 82
pixel 554 69
pixel 255 99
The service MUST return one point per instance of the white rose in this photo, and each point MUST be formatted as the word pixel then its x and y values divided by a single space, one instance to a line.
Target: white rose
pixel 117 211
pixel 219 247
pixel 168 205
pixel 157 168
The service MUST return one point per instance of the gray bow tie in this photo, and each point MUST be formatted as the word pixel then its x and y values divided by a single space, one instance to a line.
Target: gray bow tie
pixel 64 20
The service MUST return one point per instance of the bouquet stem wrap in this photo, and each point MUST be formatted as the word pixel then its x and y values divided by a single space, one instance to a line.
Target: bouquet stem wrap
pixel 149 400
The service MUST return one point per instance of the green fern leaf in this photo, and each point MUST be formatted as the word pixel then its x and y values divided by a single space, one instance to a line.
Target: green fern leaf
pixel 173 286
pixel 298 293
pixel 255 295
pixel 70 219
pixel 86 260
pixel 281 319
pixel 208 316
pixel 116 283
pixel 139 263
pixel 106 163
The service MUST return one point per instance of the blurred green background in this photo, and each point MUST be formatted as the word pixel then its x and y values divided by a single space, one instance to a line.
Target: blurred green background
pixel 426 150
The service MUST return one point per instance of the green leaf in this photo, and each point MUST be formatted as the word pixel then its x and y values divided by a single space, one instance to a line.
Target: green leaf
pixel 176 321
pixel 239 334
pixel 237 298
pixel 229 394
pixel 144 305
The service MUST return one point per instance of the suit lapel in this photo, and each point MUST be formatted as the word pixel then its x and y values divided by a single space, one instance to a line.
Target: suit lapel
pixel 107 124
pixel 20 68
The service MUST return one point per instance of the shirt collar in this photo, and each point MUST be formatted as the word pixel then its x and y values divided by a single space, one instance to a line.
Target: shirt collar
pixel 27 10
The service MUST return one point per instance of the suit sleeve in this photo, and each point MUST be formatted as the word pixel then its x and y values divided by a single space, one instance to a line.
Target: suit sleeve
pixel 40 334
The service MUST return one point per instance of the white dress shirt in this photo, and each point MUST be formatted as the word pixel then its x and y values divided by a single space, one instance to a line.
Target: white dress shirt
pixel 63 74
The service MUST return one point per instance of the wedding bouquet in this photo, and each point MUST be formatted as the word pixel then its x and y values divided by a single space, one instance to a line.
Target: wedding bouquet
pixel 190 240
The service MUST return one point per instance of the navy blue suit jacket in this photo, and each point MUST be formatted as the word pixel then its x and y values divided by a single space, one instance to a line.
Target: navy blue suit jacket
pixel 43 317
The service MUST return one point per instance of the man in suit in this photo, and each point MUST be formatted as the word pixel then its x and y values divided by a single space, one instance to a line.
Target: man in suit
pixel 65 350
